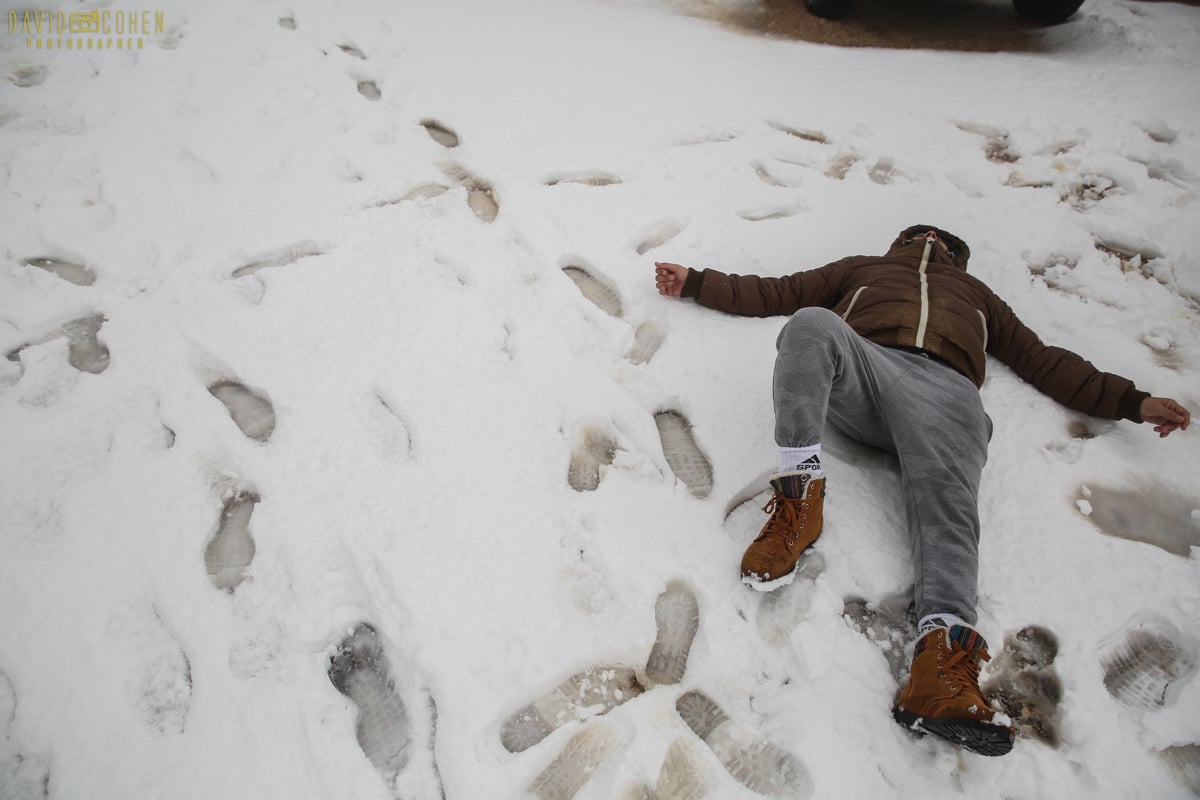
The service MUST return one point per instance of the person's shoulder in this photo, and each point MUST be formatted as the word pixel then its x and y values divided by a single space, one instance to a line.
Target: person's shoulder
pixel 858 262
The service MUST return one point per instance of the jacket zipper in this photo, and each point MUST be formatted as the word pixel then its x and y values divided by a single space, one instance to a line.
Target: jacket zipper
pixel 853 300
pixel 924 294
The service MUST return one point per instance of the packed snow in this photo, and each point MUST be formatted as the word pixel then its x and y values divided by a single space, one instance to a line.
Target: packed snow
pixel 348 450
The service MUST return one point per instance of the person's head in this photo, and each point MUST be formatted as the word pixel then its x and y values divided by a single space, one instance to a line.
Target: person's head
pixel 945 241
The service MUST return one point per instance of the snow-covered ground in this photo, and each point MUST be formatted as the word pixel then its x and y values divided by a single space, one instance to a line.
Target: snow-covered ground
pixel 337 389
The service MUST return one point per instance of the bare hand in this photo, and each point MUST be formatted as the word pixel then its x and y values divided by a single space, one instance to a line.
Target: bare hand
pixel 670 278
pixel 1165 414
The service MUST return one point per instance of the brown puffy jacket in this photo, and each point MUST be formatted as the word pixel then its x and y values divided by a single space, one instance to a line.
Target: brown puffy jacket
pixel 913 297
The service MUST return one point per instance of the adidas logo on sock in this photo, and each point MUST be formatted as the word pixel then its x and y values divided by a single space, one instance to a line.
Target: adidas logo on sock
pixel 810 464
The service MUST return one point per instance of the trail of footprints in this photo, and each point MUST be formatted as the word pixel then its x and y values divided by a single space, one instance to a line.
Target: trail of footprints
pixel 1140 665
pixel 1083 189
pixel 359 668
pixel 482 198
pixel 595 449
pixel 1047 168
pixel 86 351
pixel 755 762
pixel 832 161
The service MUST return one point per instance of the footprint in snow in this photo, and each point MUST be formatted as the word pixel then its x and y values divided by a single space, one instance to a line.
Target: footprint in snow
pixel 773 175
pixel 425 191
pixel 359 669
pixel 997 147
pixel 1129 256
pixel 385 427
pixel 586 178
pixel 69 271
pixel 231 547
pixel 572 768
pixel 647 339
pixel 657 235
pixel 768 213
pixel 677 614
pixel 1059 274
pixel 1024 684
pixel 1165 351
pixel 162 682
pixel 590 693
pixel 1183 761
pixel 1152 513
pixel 890 624
pixel 440 133
pixel 883 171
pixel 352 50
pixel 1150 262
pixel 781 611
pixel 369 89
pixel 27 75
pixel 593 450
pixel 1083 192
pixel 481 197
pixel 280 257
pixel 85 351
pixel 1172 171
pixel 806 134
pixel 1080 431
pixel 250 409
pixel 683 775
pixel 1161 133
pixel 599 292
pixel 756 763
pixel 1084 430
pixel 288 23
pixel 1144 660
pixel 684 457
pixel 840 165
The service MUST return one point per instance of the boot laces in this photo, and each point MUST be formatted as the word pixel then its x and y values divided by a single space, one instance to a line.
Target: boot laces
pixel 787 518
pixel 962 668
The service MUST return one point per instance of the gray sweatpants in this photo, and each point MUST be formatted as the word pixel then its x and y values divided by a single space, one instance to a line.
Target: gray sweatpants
pixel 925 412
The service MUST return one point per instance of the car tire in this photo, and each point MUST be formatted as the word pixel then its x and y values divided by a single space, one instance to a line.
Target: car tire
pixel 1050 12
pixel 832 9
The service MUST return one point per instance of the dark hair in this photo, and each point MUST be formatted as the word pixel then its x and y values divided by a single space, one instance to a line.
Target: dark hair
pixel 957 248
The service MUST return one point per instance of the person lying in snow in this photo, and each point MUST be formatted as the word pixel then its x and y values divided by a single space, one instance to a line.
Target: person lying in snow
pixel 890 350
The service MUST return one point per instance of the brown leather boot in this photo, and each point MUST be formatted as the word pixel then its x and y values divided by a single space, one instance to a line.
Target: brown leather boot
pixel 796 512
pixel 943 698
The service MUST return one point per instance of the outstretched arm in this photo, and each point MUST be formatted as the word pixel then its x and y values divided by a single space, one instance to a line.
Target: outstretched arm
pixel 1165 414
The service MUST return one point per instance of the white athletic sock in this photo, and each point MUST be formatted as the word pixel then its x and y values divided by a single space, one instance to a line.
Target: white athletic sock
pixel 932 621
pixel 801 459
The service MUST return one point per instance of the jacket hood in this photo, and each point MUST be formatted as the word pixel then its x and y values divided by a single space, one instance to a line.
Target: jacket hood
pixel 958 248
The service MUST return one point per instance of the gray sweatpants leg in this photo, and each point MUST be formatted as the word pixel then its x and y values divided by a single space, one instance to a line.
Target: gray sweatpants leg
pixel 925 412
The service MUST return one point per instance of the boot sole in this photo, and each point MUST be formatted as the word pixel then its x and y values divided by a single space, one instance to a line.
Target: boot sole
pixel 978 737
